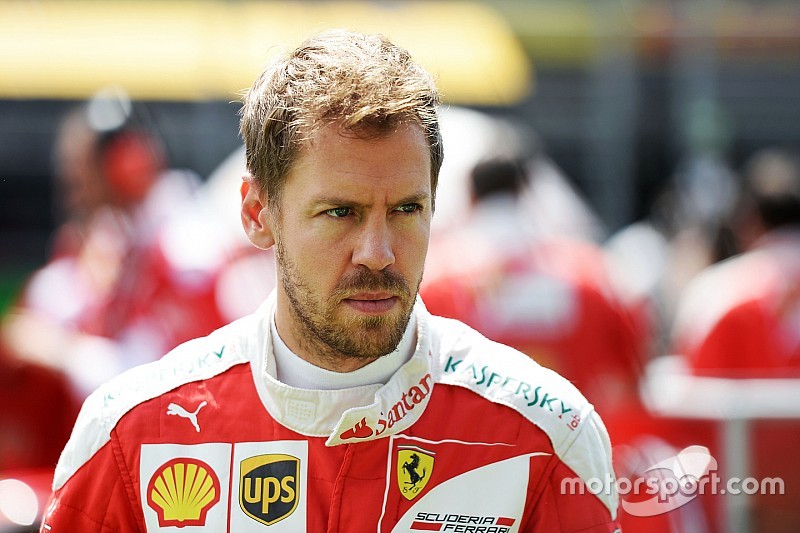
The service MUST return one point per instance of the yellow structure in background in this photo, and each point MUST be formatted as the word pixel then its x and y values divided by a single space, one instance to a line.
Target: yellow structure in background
pixel 197 50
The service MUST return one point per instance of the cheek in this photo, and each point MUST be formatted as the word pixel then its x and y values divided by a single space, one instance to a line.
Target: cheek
pixel 319 261
pixel 410 251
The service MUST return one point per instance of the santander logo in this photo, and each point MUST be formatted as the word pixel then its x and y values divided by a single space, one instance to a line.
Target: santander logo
pixel 360 431
pixel 407 402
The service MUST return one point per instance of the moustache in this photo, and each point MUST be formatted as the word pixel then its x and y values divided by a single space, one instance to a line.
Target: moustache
pixel 372 281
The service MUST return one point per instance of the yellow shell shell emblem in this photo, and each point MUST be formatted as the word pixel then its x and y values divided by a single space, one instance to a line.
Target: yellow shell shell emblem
pixel 182 491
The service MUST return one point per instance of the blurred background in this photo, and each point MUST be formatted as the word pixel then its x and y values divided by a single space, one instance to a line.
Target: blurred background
pixel 632 140
pixel 619 91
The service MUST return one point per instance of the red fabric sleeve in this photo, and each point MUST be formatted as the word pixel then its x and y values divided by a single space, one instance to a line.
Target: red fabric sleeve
pixel 95 499
pixel 558 510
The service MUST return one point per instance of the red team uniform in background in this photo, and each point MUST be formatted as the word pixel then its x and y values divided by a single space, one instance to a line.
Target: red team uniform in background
pixel 549 298
pixel 741 317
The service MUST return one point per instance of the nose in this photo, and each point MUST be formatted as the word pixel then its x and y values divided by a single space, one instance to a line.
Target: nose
pixel 373 247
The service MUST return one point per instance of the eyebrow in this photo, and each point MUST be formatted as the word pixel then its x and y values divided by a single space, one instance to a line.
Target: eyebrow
pixel 333 200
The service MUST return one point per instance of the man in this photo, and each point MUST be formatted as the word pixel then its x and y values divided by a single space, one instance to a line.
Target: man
pixel 546 295
pixel 739 318
pixel 113 291
pixel 341 405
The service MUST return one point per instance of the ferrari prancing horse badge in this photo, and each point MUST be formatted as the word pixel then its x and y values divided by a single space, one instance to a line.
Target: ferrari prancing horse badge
pixel 414 469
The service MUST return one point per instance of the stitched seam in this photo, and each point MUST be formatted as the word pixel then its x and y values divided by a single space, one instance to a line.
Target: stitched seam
pixel 122 468
pixel 89 518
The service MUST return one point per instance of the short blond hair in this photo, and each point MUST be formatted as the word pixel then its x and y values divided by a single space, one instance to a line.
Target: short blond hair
pixel 364 83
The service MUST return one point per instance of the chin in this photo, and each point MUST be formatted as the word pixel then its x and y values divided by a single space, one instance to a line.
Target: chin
pixel 372 336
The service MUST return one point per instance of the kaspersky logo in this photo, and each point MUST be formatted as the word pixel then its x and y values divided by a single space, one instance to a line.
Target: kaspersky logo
pixel 182 491
pixel 414 469
pixel 269 487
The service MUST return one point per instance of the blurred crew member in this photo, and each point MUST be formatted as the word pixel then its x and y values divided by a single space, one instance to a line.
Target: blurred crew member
pixel 112 296
pixel 741 317
pixel 545 295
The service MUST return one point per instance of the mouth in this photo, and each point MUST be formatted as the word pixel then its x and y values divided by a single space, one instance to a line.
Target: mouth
pixel 371 303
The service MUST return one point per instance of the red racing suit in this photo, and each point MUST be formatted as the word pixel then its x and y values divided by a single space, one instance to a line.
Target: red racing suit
pixel 467 436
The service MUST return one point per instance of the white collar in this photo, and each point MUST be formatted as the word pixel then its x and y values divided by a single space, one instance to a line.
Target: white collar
pixel 346 415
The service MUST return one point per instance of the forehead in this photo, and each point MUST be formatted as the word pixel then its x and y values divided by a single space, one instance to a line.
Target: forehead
pixel 360 161
pixel 326 136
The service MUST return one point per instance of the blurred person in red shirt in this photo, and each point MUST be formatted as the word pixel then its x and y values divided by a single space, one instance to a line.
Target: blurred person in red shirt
pixel 546 295
pixel 115 290
pixel 741 317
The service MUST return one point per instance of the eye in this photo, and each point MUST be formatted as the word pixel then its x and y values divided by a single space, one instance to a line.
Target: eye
pixel 409 208
pixel 338 212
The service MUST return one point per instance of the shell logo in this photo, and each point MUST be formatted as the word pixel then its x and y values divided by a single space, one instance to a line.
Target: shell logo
pixel 182 491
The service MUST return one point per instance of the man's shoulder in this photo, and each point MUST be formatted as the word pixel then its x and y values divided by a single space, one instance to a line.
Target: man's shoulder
pixel 193 361
pixel 503 375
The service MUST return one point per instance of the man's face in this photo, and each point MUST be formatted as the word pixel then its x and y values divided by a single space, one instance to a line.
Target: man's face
pixel 351 237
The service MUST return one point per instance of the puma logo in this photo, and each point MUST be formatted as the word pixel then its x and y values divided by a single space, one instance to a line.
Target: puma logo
pixel 175 409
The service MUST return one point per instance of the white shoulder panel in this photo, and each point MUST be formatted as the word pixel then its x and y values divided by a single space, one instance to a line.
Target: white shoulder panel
pixel 502 375
pixel 194 360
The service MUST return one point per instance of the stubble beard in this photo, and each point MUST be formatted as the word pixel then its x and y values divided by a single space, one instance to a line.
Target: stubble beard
pixel 334 338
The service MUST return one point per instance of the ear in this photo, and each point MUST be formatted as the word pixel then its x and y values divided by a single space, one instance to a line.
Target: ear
pixel 255 214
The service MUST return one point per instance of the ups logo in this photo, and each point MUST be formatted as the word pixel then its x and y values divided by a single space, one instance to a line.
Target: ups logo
pixel 268 487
